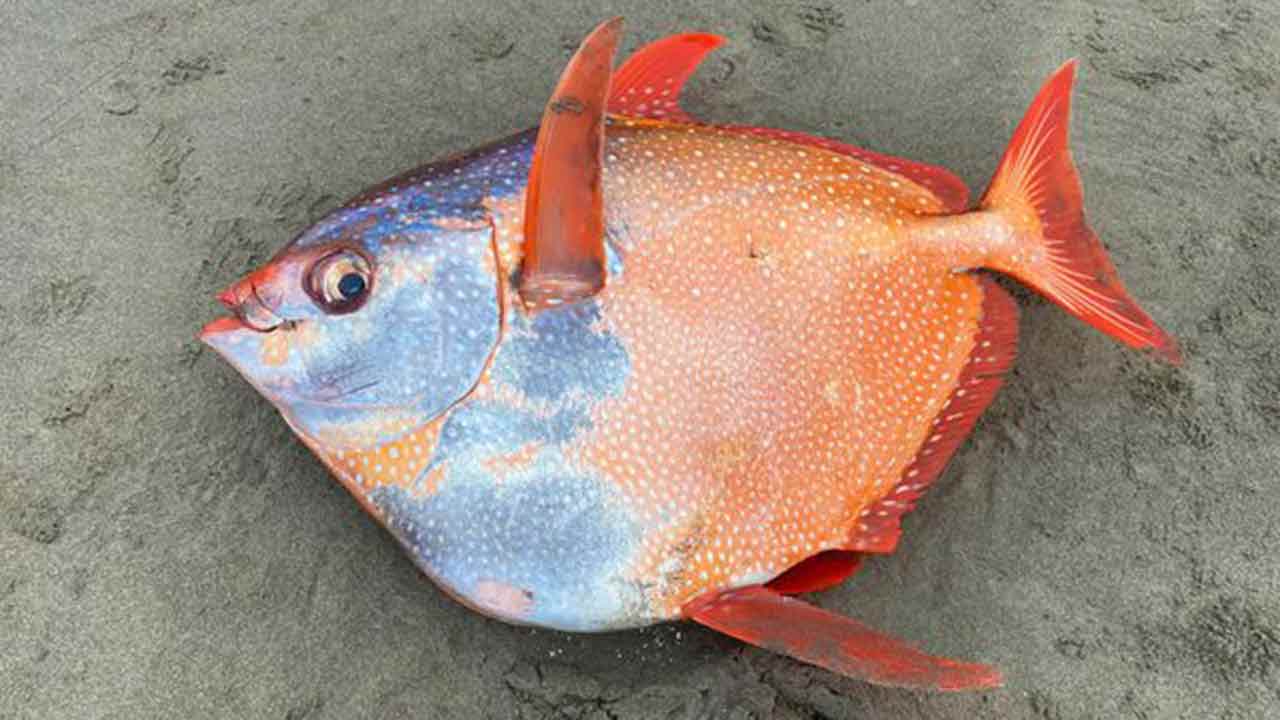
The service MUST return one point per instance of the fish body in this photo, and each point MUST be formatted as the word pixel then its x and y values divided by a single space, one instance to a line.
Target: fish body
pixel 789 345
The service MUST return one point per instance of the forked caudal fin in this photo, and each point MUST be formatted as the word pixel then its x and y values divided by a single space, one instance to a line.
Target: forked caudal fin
pixel 1037 192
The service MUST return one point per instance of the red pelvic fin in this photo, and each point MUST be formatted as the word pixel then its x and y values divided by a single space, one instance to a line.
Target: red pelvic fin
pixel 1037 190
pixel 564 258
pixel 770 620
pixel 949 189
pixel 878 527
pixel 649 83
pixel 817 572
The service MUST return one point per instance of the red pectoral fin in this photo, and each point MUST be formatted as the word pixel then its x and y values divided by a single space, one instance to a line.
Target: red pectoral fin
pixel 785 625
pixel 564 257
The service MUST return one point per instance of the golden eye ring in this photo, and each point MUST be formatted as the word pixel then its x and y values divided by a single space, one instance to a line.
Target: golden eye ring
pixel 340 282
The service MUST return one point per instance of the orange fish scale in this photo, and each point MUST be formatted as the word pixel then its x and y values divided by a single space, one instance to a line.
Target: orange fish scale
pixel 789 348
pixel 399 462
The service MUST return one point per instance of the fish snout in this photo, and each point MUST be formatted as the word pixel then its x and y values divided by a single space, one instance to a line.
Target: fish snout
pixel 228 298
pixel 251 309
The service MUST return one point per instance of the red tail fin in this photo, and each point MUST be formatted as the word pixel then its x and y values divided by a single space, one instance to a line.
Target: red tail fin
pixel 1037 191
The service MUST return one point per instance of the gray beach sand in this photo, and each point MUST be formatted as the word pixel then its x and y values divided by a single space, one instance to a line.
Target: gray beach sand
pixel 1108 536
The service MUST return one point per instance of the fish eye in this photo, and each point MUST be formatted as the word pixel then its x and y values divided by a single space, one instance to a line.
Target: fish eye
pixel 339 282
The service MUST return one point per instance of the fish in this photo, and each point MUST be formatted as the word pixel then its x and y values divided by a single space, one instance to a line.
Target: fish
pixel 629 367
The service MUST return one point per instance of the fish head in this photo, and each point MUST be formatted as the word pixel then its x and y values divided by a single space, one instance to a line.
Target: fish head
pixel 366 326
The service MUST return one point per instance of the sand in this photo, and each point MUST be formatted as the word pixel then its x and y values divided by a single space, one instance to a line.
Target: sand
pixel 168 550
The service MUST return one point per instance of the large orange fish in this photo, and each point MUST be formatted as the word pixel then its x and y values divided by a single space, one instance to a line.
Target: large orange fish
pixel 630 368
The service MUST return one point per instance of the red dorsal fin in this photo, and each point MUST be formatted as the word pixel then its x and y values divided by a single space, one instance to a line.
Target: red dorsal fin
pixel 649 83
pixel 770 620
pixel 564 258
pixel 878 526
pixel 817 572
pixel 950 190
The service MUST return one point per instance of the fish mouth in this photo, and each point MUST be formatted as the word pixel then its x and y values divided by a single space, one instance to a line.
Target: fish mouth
pixel 224 324
pixel 249 311
pixel 235 323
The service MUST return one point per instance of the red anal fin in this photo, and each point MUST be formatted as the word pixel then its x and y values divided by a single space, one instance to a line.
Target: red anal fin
pixel 775 622
pixel 649 83
pixel 949 189
pixel 564 257
pixel 878 527
pixel 817 572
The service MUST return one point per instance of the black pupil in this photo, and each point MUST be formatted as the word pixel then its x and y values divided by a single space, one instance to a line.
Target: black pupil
pixel 351 286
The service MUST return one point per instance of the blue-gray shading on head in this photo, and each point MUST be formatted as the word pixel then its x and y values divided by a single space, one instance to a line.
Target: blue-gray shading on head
pixel 417 259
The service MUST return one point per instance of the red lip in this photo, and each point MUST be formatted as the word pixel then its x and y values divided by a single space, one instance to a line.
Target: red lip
pixel 228 298
pixel 248 308
pixel 221 325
